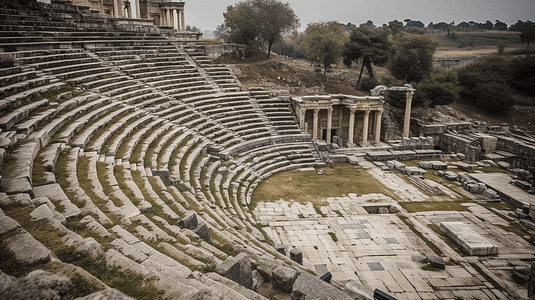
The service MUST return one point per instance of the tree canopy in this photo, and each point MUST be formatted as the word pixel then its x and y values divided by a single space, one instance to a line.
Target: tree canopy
pixel 324 41
pixel 413 58
pixel 527 33
pixel 371 45
pixel 257 21
pixel 439 88
pixel 484 84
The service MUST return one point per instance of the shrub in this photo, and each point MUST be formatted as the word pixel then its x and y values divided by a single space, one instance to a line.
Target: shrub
pixel 484 84
pixel 368 83
pixel 440 88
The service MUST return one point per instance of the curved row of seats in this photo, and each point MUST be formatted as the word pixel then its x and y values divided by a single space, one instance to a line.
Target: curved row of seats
pixel 118 136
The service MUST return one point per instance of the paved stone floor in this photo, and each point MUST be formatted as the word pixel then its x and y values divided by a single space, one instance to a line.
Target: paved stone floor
pixel 379 250
pixel 500 182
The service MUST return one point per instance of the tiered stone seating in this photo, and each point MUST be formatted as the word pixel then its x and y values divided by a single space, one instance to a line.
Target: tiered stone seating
pixel 278 112
pixel 113 131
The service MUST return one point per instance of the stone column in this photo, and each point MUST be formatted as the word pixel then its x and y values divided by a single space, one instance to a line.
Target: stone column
pixel 175 19
pixel 138 10
pixel 365 126
pixel 351 126
pixel 179 19
pixel 407 119
pixel 378 115
pixel 183 18
pixel 315 124
pixel 302 115
pixel 168 17
pixel 116 8
pixel 329 125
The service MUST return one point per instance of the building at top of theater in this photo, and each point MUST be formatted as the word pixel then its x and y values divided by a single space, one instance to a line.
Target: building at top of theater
pixel 161 12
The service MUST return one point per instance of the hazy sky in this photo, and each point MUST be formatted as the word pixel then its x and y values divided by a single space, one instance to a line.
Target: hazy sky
pixel 207 14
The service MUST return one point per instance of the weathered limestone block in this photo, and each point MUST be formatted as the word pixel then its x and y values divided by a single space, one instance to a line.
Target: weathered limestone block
pixel 490 194
pixel 17 185
pixel 281 248
pixel 145 207
pixel 202 231
pixel 7 224
pixel 383 211
pixel 95 226
pixel 258 280
pixel 296 255
pixel 308 287
pixel 358 291
pixel 504 165
pixel 426 165
pixel 414 171
pixel 237 269
pixel 265 267
pixel 450 175
pixel 54 192
pixel 38 284
pixel 27 249
pixel 469 240
pixel 284 278
pixel 189 221
pixel 531 212
pixel 41 212
pixel 464 167
pixel 436 262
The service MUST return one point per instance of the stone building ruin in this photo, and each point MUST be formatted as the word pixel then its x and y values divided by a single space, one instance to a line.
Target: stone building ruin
pixel 157 12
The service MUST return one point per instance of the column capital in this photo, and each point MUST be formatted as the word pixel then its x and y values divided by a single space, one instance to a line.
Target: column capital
pixel 408 95
pixel 316 110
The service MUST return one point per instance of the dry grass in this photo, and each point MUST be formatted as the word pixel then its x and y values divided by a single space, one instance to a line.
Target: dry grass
pixel 305 187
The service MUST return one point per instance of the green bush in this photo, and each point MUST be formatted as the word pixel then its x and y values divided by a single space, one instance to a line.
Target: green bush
pixel 440 88
pixel 485 84
pixel 368 83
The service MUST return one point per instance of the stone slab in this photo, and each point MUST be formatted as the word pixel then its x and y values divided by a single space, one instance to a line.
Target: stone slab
pixel 470 241
pixel 27 249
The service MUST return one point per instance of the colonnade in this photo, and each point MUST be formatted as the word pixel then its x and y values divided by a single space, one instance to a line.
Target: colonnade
pixel 378 113
pixel 173 16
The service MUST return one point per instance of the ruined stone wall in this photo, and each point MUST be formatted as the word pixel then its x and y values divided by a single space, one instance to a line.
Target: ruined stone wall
pixel 525 152
pixel 215 51
pixel 456 143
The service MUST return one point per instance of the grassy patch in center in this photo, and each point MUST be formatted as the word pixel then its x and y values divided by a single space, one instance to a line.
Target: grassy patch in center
pixel 308 186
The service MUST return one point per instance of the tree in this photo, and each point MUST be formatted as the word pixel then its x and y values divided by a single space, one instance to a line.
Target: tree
pixel 369 45
pixel 222 33
pixel 522 70
pixel 240 24
pixel 323 41
pixel 527 33
pixel 500 25
pixel 395 26
pixel 274 19
pixel 259 21
pixel 413 58
pixel 440 88
pixel 484 84
pixel 192 29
